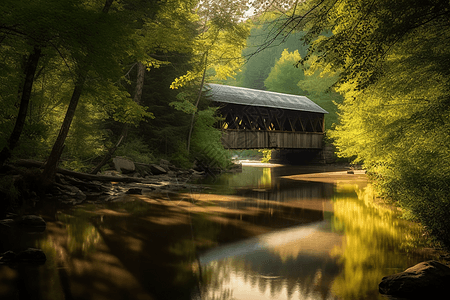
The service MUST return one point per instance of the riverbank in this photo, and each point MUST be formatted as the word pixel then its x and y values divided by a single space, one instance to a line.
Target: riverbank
pixel 22 189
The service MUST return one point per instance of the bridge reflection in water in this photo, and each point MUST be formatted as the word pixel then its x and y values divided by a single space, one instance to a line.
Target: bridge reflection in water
pixel 265 188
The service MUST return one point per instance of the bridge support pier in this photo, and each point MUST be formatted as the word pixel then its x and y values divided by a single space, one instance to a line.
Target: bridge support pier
pixel 297 156
pixel 304 156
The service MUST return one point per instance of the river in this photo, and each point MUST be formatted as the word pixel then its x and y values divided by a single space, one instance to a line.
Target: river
pixel 270 232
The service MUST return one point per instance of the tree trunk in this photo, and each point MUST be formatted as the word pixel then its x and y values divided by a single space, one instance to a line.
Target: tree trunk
pixel 49 172
pixel 30 71
pixel 137 98
pixel 111 151
pixel 107 6
pixel 196 105
pixel 52 162
pixel 139 82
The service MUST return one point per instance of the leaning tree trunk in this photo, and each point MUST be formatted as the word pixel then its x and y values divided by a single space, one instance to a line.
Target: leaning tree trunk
pixel 196 104
pixel 137 98
pixel 52 163
pixel 49 172
pixel 30 71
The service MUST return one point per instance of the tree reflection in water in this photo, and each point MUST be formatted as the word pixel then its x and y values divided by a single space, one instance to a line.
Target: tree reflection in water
pixel 343 257
pixel 377 242
pixel 333 242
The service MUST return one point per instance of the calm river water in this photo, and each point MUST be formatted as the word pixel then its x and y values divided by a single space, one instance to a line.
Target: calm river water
pixel 270 232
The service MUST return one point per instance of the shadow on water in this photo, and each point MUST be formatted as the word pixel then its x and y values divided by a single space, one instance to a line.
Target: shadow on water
pixel 264 233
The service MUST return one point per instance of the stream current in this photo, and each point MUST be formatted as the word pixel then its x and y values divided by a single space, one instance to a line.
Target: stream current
pixel 270 232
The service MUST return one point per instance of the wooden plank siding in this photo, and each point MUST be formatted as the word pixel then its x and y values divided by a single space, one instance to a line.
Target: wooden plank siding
pixel 246 139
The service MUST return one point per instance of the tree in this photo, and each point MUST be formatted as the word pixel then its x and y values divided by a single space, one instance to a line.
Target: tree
pixel 261 59
pixel 104 49
pixel 319 87
pixel 24 33
pixel 316 85
pixel 218 47
pixel 30 71
pixel 283 77
pixel 393 66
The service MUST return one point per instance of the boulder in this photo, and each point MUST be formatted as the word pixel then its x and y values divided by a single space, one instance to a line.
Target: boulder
pixel 29 256
pixel 167 165
pixel 68 193
pixel 134 191
pixel 163 163
pixel 32 223
pixel 426 280
pixel 27 223
pixel 123 165
pixel 143 169
pixel 111 173
pixel 7 257
pixel 157 170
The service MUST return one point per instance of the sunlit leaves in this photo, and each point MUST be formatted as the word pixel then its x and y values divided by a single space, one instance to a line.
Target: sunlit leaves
pixel 172 29
pixel 284 76
pixel 393 66
pixel 183 80
pixel 220 41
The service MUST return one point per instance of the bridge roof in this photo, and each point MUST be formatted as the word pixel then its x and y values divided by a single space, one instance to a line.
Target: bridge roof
pixel 246 96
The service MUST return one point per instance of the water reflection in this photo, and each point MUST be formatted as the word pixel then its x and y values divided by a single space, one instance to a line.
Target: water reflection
pixel 377 243
pixel 250 177
pixel 344 256
pixel 331 242
pixel 274 266
pixel 264 187
pixel 82 236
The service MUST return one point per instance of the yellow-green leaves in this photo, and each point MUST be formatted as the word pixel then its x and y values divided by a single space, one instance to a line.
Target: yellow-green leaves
pixel 183 80
pixel 284 76
pixel 222 43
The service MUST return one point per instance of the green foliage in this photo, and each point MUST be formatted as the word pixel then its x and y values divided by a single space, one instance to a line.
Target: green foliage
pixel 394 75
pixel 260 62
pixel 219 44
pixel 247 154
pixel 267 155
pixel 136 150
pixel 206 141
pixel 180 157
pixel 166 134
pixel 284 76
pixel 184 104
pixel 318 86
pixel 171 38
pixel 9 192
pixel 315 83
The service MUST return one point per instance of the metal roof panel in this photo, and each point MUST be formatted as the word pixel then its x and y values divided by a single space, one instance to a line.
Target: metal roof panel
pixel 246 96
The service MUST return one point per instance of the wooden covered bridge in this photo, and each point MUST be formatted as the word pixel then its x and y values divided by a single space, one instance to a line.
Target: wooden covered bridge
pixel 255 119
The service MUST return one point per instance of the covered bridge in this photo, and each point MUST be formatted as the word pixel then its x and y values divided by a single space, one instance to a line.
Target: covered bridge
pixel 255 119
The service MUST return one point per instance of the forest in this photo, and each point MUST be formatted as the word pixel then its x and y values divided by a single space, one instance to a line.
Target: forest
pixel 83 81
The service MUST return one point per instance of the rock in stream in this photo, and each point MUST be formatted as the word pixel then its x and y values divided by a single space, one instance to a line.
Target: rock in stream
pixel 426 280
